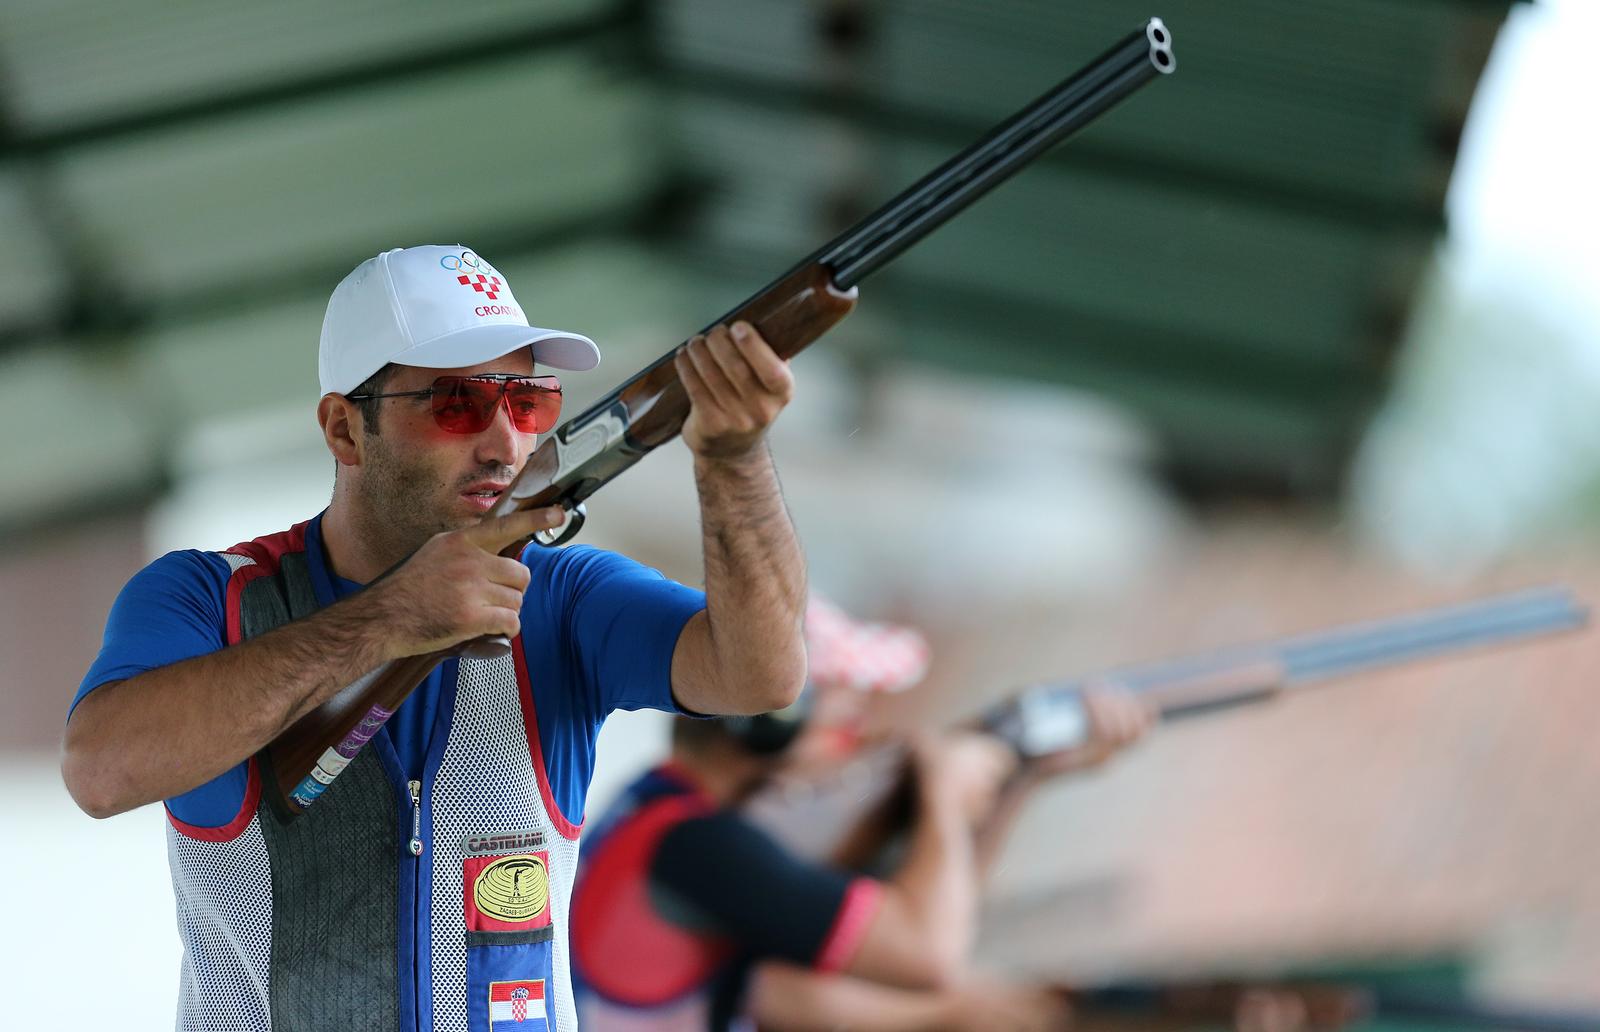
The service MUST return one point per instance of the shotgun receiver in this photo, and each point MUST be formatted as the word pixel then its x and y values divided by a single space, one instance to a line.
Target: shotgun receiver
pixel 649 409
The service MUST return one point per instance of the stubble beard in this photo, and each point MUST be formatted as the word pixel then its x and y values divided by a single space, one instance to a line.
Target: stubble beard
pixel 401 503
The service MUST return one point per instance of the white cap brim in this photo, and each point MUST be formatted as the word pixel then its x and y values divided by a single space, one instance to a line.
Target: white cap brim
pixel 476 345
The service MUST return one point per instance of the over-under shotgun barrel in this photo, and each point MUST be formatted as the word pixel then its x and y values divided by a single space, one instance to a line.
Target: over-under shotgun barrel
pixel 816 293
pixel 1048 717
pixel 937 197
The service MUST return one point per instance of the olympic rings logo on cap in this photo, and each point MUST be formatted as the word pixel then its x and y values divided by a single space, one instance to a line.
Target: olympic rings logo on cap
pixel 464 260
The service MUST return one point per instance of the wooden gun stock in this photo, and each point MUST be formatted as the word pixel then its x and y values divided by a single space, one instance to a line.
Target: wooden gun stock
pixel 649 410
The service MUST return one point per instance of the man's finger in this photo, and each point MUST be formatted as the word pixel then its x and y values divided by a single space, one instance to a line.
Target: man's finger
pixel 1117 715
pixel 496 532
pixel 509 573
pixel 1102 712
pixel 716 382
pixel 1127 721
pixel 772 371
pixel 700 395
pixel 1149 716
pixel 734 365
pixel 499 596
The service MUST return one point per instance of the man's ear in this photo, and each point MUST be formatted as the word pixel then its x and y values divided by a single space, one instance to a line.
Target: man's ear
pixel 341 428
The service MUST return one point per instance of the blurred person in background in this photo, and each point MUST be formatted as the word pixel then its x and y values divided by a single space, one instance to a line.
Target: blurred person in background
pixel 687 915
pixel 429 885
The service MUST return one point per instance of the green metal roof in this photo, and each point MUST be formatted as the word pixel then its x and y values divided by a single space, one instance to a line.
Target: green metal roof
pixel 1231 253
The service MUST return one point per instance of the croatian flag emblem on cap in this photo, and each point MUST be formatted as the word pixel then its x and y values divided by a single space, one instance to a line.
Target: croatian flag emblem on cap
pixel 517 1005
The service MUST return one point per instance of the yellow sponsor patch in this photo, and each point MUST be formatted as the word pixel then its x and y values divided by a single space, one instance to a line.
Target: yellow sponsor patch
pixel 513 889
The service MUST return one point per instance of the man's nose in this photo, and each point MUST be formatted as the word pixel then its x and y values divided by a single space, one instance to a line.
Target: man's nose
pixel 501 443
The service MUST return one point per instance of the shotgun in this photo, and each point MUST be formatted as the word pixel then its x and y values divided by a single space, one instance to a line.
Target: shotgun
pixel 1049 717
pixel 649 409
pixel 856 811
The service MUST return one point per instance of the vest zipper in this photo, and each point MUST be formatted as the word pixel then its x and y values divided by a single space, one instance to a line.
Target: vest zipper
pixel 415 788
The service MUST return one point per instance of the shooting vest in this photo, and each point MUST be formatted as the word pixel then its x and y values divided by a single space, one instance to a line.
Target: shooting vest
pixel 329 920
pixel 634 970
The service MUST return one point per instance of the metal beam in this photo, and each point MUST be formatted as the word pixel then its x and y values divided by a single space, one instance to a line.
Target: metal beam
pixel 507 243
pixel 621 24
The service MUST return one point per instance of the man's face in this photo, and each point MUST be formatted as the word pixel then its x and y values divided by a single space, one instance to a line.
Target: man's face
pixel 418 479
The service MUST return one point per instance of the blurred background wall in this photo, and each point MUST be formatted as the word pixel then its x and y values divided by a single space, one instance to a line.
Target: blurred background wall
pixel 1305 334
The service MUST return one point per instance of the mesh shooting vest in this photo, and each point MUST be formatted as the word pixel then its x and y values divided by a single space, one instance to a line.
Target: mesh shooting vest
pixel 329 921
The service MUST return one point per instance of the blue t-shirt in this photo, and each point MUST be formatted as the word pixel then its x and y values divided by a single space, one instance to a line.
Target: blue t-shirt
pixel 598 632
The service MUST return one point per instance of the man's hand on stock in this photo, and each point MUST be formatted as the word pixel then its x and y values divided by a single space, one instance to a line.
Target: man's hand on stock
pixel 457 586
pixel 1117 720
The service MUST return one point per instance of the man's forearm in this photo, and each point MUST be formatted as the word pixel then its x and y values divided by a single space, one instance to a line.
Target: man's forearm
pixel 938 883
pixel 755 583
pixel 172 729
pixel 990 838
pixel 788 998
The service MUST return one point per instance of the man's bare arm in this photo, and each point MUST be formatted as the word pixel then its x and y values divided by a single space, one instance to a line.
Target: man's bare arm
pixel 745 653
pixel 174 728
pixel 786 998
pixel 927 916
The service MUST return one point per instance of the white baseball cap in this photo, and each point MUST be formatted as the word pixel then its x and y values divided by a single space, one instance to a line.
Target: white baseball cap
pixel 432 306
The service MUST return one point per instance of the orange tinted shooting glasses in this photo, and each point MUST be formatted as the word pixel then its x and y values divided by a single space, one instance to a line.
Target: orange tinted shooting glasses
pixel 467 404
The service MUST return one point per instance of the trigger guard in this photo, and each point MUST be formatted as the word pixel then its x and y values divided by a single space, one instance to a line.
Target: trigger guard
pixel 569 530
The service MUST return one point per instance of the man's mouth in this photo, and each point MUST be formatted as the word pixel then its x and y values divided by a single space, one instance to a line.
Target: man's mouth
pixel 484 495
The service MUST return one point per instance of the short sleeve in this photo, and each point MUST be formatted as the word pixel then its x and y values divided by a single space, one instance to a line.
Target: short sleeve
pixel 172 610
pixel 625 619
pixel 730 873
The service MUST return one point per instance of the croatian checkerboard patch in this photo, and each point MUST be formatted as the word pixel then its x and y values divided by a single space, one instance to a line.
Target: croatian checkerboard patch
pixel 517 1007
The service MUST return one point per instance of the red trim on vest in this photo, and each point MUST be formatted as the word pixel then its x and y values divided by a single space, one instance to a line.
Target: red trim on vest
pixel 234 828
pixel 849 925
pixel 530 724
pixel 621 947
pixel 236 585
pixel 266 551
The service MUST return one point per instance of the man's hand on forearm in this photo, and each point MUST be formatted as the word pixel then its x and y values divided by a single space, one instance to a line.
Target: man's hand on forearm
pixel 746 653
pixel 172 729
pixel 457 586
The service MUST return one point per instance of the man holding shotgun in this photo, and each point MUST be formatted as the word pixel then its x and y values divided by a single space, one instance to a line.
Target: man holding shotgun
pixel 428 886
pixel 687 915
